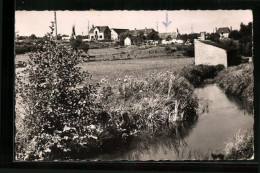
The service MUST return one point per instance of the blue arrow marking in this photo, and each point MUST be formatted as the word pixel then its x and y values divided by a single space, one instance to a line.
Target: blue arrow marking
pixel 166 23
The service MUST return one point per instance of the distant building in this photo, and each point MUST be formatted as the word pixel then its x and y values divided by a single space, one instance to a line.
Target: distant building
pixel 203 35
pixel 138 32
pixel 171 35
pixel 65 38
pixel 115 32
pixel 127 41
pixel 132 40
pixel 223 32
pixel 100 33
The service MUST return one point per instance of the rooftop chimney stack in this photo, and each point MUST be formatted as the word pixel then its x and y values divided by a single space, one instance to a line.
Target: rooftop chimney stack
pixel 216 29
pixel 230 28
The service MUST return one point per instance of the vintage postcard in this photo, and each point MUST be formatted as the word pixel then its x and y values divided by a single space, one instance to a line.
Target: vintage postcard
pixel 134 85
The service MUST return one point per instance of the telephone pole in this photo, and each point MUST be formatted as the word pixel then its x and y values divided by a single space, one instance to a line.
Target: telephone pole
pixel 55 22
pixel 157 26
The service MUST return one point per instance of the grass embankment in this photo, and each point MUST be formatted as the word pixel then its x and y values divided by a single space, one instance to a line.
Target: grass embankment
pixel 238 81
pixel 137 107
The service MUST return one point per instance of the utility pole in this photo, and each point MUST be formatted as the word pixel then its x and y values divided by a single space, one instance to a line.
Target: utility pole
pixel 157 26
pixel 55 22
pixel 88 28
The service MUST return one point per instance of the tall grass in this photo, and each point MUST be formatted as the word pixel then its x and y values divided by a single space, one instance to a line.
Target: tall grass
pixel 148 105
pixel 241 146
pixel 239 81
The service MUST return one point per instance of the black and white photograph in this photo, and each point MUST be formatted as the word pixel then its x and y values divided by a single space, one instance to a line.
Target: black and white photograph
pixel 159 85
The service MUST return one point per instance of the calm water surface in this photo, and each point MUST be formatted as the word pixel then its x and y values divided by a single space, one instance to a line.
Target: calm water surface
pixel 223 116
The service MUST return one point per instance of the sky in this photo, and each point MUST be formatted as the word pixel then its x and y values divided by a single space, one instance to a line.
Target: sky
pixel 38 22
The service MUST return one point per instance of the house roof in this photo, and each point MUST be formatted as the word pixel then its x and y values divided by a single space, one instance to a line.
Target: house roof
pixel 164 35
pixel 119 31
pixel 134 38
pixel 100 28
pixel 137 31
pixel 223 30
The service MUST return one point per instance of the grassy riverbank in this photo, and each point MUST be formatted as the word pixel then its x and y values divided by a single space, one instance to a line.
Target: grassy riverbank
pixel 238 81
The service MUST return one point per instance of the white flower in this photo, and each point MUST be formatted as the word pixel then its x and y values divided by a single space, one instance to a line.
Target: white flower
pixel 47 150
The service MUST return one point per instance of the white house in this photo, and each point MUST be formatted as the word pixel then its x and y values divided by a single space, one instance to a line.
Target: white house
pixel 100 33
pixel 116 32
pixel 127 41
pixel 65 38
pixel 223 32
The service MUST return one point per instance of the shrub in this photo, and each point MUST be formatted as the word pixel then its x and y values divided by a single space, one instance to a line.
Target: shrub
pixel 29 46
pixel 60 116
pixel 78 44
pixel 189 51
pixel 197 74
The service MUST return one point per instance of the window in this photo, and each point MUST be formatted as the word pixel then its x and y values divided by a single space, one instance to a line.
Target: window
pixel 100 36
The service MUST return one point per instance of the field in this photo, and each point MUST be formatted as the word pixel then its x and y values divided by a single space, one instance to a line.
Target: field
pixel 132 61
pixel 136 68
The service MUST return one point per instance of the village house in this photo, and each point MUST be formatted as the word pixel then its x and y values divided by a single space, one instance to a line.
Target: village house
pixel 223 32
pixel 168 35
pixel 115 32
pixel 138 32
pixel 132 40
pixel 100 33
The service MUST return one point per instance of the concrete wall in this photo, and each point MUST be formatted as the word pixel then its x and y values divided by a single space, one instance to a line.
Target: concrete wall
pixel 209 55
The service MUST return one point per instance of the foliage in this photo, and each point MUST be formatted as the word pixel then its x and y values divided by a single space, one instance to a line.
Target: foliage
pixel 189 51
pixel 235 35
pixel 238 80
pixel 214 37
pixel 29 46
pixel 241 146
pixel 78 44
pixel 197 74
pixel 58 111
pixel 244 37
pixel 32 37
pixel 148 105
pixel 153 36
pixel 190 37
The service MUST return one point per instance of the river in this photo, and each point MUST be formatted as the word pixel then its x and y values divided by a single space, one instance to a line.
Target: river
pixel 222 117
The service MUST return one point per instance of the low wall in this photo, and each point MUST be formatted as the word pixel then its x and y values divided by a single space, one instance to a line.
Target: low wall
pixel 209 55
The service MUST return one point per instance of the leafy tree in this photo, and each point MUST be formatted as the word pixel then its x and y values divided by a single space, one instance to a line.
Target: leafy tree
pixel 214 37
pixel 57 108
pixel 190 37
pixel 78 44
pixel 32 37
pixel 235 35
pixel 153 36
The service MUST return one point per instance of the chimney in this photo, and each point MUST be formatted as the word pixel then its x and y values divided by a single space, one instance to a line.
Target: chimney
pixel 216 29
pixel 92 26
pixel 203 35
pixel 230 28
pixel 145 29
pixel 135 29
